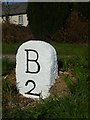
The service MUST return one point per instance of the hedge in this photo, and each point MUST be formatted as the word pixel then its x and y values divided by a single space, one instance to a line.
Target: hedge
pixel 46 18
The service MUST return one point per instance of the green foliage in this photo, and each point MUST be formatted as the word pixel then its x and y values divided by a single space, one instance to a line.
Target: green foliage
pixel 78 65
pixel 47 18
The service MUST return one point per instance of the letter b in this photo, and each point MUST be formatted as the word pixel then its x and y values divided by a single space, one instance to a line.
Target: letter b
pixel 30 60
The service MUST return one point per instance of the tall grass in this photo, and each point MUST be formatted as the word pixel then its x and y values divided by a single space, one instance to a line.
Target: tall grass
pixel 74 105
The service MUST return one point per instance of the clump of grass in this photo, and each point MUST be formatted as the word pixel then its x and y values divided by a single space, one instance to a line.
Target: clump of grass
pixel 70 84
pixel 69 62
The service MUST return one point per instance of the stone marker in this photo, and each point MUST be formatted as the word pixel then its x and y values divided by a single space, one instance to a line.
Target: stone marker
pixel 36 69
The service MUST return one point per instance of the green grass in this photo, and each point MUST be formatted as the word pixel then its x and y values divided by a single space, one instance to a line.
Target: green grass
pixel 10 48
pixel 63 49
pixel 68 49
pixel 73 57
pixel 74 105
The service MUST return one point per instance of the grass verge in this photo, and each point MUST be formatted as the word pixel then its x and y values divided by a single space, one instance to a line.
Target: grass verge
pixel 74 105
pixel 63 49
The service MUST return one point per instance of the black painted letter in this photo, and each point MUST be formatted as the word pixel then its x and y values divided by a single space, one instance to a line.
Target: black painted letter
pixel 28 60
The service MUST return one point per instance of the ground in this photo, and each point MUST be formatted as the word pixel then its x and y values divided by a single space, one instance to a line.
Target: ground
pixel 58 89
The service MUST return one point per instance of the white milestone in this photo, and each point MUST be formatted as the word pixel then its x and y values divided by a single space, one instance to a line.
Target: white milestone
pixel 36 69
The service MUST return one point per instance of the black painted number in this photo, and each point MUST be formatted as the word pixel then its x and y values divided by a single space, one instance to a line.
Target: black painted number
pixel 34 85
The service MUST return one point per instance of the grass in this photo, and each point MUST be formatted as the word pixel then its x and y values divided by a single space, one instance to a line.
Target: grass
pixel 10 48
pixel 63 49
pixel 68 49
pixel 74 105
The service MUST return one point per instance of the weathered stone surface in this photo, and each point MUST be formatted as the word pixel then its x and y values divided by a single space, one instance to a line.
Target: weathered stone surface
pixel 36 69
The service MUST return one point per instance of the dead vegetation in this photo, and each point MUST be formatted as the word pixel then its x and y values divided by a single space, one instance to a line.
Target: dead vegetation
pixel 15 33
pixel 76 30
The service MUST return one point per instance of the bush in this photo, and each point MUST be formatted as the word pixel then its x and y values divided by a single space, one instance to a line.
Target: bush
pixel 47 18
pixel 15 33
pixel 76 29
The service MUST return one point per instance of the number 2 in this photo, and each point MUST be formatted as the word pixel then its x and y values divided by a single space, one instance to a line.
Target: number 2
pixel 34 85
